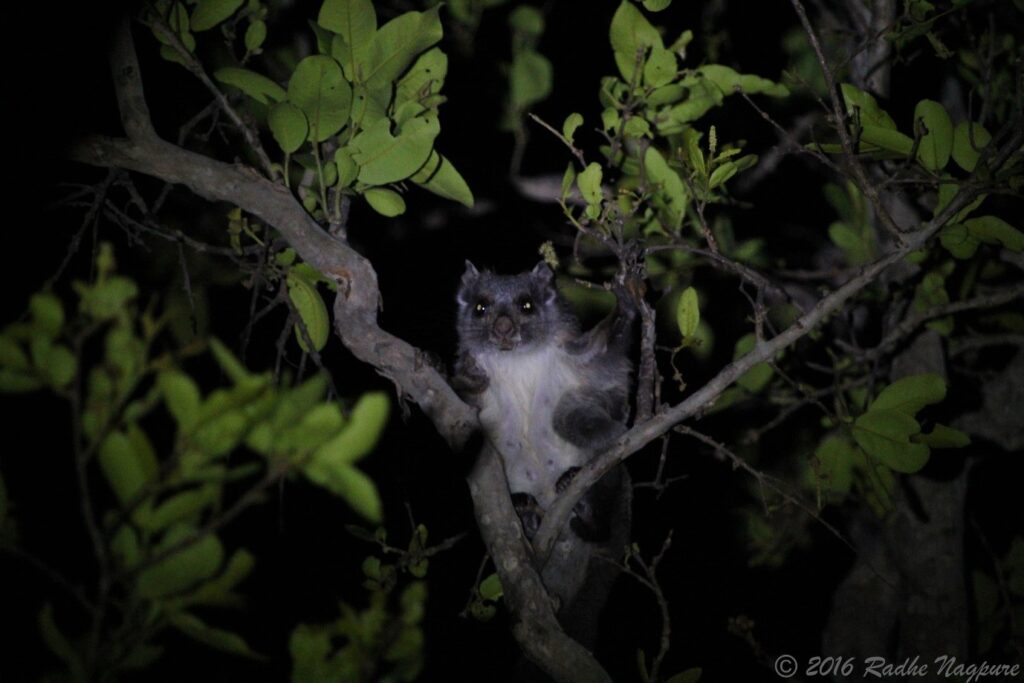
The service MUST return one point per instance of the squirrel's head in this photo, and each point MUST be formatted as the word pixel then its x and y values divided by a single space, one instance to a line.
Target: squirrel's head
pixel 510 312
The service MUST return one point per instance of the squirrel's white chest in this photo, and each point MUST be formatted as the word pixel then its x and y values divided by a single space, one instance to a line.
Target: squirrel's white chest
pixel 516 413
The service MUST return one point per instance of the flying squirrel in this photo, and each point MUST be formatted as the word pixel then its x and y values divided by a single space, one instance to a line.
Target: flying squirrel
pixel 551 398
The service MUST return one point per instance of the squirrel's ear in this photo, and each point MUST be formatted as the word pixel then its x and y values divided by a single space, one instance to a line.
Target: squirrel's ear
pixel 542 271
pixel 545 278
pixel 470 274
pixel 469 278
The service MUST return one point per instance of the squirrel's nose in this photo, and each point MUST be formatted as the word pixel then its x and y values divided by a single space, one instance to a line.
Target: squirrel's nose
pixel 503 326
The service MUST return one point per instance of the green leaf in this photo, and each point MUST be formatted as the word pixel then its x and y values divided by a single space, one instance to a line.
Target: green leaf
pixel 217 591
pixel 722 174
pixel 439 176
pixel 209 13
pixel 572 122
pixel 637 127
pixel 123 466
pixel 526 19
pixel 47 313
pixel 992 230
pixel 371 105
pixel 219 639
pixel 877 482
pixel 836 459
pixel 610 119
pixel 317 426
pixel 384 201
pixel 688 313
pixel 255 34
pixel 311 309
pixel 313 655
pixel 397 43
pixel 346 481
pixel 937 143
pixel 15 382
pixel 145 454
pixel 178 20
pixel 969 139
pixel 182 569
pixel 125 352
pixel 124 546
pixel 671 195
pixel 319 89
pixel 666 94
pixel 948 189
pixel 384 158
pixel 942 436
pixel 424 80
pixel 694 154
pixel 329 173
pixel 729 81
pixel 59 644
pixel 959 241
pixel 355 21
pixel 181 396
pixel 660 68
pixel 699 102
pixel 11 354
pixel 656 5
pixel 885 435
pixel 229 363
pixel 909 394
pixel 299 402
pixel 181 507
pixel 288 125
pixel 39 348
pixel 631 36
pixel 589 182
pixel 347 168
pixel 357 439
pixel 756 378
pixel 866 108
pixel 324 38
pixel 568 180
pixel 61 366
pixel 255 85
pixel 530 79
pixel 413 602
pixel 218 435
pixel 490 588
pixel 854 243
pixel 885 138
pixel 108 299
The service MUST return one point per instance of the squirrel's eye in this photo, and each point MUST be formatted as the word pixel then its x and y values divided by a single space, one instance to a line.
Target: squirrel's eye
pixel 479 309
pixel 526 306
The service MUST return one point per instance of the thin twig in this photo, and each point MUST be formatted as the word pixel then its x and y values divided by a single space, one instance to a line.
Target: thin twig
pixel 910 324
pixel 160 26
pixel 839 116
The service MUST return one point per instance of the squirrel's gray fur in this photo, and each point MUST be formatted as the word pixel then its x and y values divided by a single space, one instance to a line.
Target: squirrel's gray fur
pixel 550 399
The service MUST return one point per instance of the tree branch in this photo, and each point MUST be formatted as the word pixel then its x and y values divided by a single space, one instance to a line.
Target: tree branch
pixel 839 123
pixel 534 624
pixel 911 323
pixel 355 310
pixel 645 432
